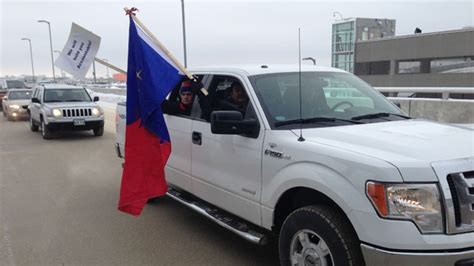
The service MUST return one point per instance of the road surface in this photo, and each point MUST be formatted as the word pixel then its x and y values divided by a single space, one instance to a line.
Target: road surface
pixel 58 205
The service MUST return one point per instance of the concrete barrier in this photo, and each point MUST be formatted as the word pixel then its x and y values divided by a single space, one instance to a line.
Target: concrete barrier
pixel 449 111
pixel 110 91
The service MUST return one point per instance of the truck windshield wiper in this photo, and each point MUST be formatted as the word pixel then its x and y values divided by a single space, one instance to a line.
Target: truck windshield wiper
pixel 74 100
pixel 378 115
pixel 319 119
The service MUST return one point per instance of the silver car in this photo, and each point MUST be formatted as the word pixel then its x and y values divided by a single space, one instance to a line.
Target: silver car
pixel 62 107
pixel 15 104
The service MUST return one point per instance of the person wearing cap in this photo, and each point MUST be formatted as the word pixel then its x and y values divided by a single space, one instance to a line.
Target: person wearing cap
pixel 184 104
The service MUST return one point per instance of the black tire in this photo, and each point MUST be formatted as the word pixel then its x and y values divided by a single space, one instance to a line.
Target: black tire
pixel 320 227
pixel 45 131
pixel 33 126
pixel 98 131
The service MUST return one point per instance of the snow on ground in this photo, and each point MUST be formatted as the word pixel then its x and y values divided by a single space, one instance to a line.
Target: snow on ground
pixel 108 100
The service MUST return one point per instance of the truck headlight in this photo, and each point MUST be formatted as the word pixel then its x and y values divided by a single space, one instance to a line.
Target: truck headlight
pixel 97 111
pixel 14 106
pixel 57 113
pixel 419 203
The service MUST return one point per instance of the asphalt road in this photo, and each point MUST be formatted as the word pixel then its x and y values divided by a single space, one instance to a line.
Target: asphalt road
pixel 58 205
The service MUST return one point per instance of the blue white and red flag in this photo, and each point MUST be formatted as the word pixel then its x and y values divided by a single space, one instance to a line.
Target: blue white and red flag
pixel 151 75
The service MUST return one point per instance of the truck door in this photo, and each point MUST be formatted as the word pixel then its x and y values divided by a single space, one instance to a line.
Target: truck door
pixel 226 169
pixel 178 168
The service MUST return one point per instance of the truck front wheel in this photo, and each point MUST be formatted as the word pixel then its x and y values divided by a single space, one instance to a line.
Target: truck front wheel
pixel 318 235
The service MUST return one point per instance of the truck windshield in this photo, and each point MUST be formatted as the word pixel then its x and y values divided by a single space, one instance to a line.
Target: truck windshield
pixel 19 95
pixel 11 84
pixel 66 95
pixel 334 95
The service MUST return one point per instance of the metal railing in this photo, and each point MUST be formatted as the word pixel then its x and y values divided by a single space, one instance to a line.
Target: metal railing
pixel 445 91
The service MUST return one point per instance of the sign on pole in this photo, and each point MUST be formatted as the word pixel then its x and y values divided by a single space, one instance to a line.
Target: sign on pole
pixel 79 52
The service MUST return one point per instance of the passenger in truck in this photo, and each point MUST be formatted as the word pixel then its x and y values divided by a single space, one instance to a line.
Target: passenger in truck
pixel 181 100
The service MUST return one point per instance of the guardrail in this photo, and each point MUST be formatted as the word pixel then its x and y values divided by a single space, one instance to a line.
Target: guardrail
pixel 443 109
pixel 445 91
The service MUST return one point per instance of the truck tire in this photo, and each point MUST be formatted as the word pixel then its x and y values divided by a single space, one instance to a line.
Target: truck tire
pixel 45 131
pixel 98 131
pixel 318 235
pixel 33 126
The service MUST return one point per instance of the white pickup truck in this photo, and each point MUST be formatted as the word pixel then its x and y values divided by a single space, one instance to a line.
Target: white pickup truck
pixel 344 178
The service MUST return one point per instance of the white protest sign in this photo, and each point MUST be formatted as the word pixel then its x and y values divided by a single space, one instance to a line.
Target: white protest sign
pixel 79 52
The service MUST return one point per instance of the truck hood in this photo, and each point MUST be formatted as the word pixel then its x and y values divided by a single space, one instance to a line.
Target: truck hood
pixel 409 145
pixel 71 104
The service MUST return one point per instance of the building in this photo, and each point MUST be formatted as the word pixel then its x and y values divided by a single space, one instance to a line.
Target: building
pixel 346 32
pixel 437 59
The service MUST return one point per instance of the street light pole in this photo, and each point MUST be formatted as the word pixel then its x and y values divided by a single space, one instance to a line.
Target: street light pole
pixel 108 79
pixel 184 34
pixel 62 72
pixel 51 45
pixel 31 56
pixel 310 58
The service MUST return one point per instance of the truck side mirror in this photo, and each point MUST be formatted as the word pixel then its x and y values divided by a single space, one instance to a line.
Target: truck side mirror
pixel 96 98
pixel 233 123
pixel 35 100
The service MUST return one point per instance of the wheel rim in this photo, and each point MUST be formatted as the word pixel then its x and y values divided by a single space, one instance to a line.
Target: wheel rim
pixel 42 128
pixel 308 248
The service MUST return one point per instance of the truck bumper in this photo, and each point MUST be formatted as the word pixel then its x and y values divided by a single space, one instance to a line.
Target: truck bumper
pixel 379 256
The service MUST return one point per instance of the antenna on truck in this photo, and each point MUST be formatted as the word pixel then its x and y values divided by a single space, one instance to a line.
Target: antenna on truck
pixel 299 84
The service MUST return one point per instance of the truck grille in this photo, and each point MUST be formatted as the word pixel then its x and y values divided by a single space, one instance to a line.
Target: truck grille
pixel 77 112
pixel 457 185
pixel 461 186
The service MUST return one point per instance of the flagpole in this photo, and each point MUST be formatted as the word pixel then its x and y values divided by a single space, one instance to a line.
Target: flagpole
pixel 107 64
pixel 162 47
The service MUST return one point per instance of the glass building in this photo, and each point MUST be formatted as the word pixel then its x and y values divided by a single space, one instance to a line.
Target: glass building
pixel 346 32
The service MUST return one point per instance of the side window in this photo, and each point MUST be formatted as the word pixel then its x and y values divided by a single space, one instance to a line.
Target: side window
pixel 225 93
pixel 40 94
pixel 35 93
pixel 181 100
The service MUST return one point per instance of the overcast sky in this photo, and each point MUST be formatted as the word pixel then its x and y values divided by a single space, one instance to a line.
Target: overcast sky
pixel 218 32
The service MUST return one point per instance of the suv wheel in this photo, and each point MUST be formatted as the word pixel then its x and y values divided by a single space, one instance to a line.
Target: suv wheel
pixel 99 131
pixel 318 235
pixel 45 132
pixel 33 126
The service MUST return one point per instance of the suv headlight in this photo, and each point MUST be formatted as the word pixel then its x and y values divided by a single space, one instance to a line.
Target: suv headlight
pixel 419 203
pixel 56 113
pixel 97 111
pixel 14 106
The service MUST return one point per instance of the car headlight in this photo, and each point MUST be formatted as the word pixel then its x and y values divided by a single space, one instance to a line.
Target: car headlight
pixel 419 203
pixel 14 106
pixel 97 111
pixel 57 113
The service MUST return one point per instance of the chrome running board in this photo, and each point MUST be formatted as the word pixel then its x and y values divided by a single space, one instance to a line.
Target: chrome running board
pixel 233 224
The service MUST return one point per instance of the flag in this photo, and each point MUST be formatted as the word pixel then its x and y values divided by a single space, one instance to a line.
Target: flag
pixel 151 75
pixel 79 52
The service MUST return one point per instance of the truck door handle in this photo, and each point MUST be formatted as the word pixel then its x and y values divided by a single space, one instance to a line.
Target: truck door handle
pixel 197 138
